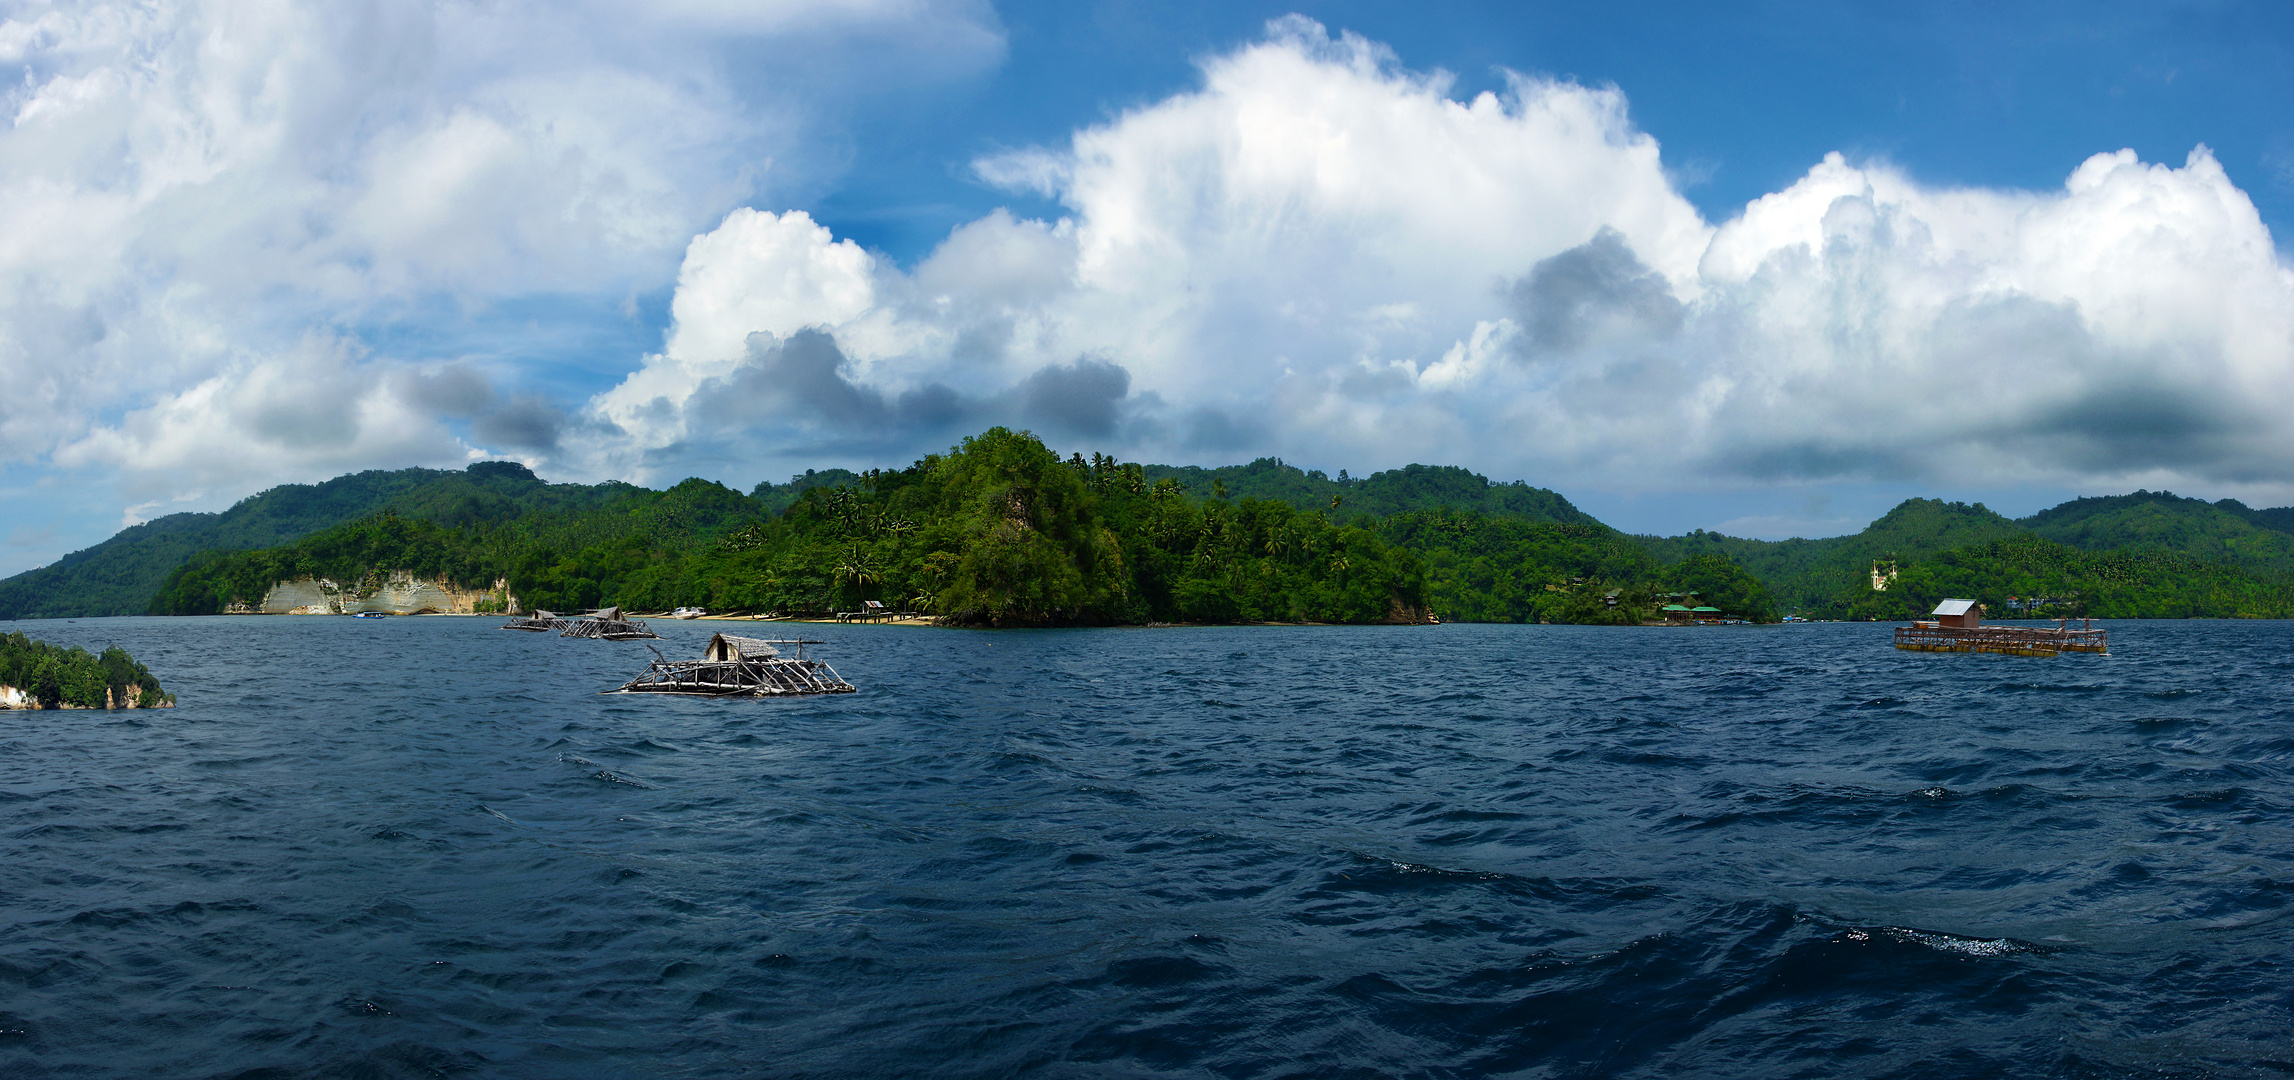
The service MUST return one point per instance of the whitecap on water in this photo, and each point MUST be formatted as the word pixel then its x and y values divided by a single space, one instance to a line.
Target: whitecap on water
pixel 1967 946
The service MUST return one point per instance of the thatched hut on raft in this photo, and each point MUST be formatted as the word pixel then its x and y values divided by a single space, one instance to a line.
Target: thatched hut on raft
pixel 740 667
pixel 538 622
pixel 611 624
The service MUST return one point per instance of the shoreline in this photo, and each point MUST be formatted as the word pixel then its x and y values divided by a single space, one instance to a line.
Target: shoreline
pixel 927 620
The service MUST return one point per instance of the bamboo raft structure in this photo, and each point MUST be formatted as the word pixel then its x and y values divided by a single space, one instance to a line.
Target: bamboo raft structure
pixel 610 624
pixel 2004 640
pixel 739 667
pixel 538 622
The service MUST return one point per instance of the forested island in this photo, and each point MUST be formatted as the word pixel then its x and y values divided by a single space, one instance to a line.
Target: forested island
pixel 37 675
pixel 1003 531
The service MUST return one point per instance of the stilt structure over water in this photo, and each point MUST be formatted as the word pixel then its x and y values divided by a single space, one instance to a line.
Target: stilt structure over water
pixel 537 622
pixel 739 667
pixel 610 624
pixel 1958 627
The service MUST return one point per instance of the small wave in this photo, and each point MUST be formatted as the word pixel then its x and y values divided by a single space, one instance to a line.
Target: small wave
pixel 1965 946
pixel 2207 800
pixel 2048 688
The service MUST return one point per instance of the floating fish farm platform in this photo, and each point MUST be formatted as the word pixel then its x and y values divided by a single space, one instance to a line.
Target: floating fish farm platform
pixel 2005 640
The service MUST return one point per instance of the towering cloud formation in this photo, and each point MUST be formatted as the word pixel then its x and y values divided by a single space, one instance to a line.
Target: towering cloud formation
pixel 1323 254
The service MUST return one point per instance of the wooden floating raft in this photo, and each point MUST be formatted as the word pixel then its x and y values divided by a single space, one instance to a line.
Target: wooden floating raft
pixel 610 624
pixel 538 622
pixel 739 667
pixel 1959 628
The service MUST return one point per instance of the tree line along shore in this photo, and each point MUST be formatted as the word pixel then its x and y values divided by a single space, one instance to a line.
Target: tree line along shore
pixel 1003 531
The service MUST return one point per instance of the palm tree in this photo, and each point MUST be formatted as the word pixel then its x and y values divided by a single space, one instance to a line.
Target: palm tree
pixel 856 569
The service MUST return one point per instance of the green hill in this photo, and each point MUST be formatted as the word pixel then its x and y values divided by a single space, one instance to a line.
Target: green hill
pixel 121 575
pixel 1488 551
pixel 2195 557
pixel 1807 574
pixel 1395 491
pixel 2280 518
pixel 998 531
pixel 2163 521
pixel 2033 577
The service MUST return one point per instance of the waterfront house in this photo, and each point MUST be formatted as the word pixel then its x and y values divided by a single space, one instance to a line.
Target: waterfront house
pixel 1962 613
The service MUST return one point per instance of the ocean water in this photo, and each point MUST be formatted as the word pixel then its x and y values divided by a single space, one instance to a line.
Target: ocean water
pixel 425 847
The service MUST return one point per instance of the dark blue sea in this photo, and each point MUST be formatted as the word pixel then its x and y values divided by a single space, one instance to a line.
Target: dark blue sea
pixel 424 847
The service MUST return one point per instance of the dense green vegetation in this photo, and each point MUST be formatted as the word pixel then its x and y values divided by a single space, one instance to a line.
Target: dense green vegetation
pixel 2162 521
pixel 2028 576
pixel 121 575
pixel 775 498
pixel 999 531
pixel 1811 575
pixel 54 676
pixel 1445 488
pixel 2146 554
pixel 1486 569
pixel 1096 540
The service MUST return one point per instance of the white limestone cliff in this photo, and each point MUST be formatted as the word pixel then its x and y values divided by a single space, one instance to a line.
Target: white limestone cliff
pixel 401 593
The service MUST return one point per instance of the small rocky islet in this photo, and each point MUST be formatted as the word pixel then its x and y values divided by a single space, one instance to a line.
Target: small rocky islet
pixel 37 675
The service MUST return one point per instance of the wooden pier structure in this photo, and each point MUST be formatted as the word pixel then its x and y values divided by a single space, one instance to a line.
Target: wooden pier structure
pixel 1959 628
pixel 739 667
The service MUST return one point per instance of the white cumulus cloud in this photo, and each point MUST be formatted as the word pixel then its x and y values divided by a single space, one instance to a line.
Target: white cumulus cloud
pixel 194 191
pixel 1322 254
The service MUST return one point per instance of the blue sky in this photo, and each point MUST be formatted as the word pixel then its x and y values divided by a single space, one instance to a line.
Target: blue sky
pixel 1766 268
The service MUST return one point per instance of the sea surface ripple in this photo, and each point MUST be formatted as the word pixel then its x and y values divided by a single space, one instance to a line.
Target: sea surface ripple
pixel 423 846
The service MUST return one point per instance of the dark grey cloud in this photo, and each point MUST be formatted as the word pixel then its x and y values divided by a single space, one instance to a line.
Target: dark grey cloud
pixel 2132 426
pixel 525 422
pixel 2122 412
pixel 1596 293
pixel 1817 458
pixel 311 416
pixel 802 386
pixel 1361 382
pixel 807 370
pixel 1215 429
pixel 801 380
pixel 2034 387
pixel 1082 398
pixel 453 390
pixel 933 407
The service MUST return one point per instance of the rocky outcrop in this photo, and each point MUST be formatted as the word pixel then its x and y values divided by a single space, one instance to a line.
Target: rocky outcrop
pixel 401 593
pixel 127 698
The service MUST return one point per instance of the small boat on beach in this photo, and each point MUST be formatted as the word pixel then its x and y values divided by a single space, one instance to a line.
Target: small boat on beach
pixel 739 667
pixel 687 613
